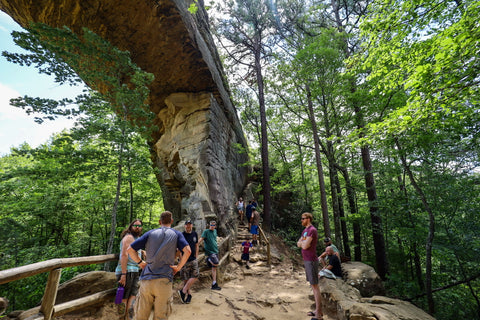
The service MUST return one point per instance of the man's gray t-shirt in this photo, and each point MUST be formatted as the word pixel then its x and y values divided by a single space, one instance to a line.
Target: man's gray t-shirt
pixel 160 245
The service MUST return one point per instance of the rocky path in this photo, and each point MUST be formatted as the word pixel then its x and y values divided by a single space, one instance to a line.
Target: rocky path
pixel 279 291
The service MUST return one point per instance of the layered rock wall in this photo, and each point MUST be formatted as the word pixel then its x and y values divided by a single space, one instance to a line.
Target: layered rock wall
pixel 195 146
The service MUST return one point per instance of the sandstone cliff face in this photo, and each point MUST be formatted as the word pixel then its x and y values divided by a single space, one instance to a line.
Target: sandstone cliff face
pixel 201 172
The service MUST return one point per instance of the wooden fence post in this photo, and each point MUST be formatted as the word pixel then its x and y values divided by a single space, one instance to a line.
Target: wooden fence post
pixel 50 294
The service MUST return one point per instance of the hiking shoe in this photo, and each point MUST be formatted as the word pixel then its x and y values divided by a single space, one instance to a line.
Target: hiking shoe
pixel 189 298
pixel 216 287
pixel 248 267
pixel 182 296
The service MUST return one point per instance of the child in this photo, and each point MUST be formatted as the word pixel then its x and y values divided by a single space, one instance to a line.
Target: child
pixel 246 245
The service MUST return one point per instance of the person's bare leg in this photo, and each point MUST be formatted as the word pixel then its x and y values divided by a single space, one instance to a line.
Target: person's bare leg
pixel 188 285
pixel 318 303
pixel 214 275
pixel 129 308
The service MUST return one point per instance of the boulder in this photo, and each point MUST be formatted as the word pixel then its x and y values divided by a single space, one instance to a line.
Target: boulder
pixel 3 305
pixel 85 284
pixel 344 300
pixel 363 277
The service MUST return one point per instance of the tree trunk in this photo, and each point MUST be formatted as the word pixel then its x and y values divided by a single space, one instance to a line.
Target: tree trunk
pixel 416 256
pixel 353 211
pixel 431 232
pixel 341 212
pixel 321 181
pixel 376 220
pixel 267 218
pixel 114 215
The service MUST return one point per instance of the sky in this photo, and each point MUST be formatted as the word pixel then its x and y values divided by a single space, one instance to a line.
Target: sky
pixel 16 127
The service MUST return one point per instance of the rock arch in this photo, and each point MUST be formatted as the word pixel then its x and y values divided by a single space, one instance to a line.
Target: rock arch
pixel 195 147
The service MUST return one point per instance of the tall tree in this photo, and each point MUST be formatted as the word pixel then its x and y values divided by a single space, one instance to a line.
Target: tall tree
pixel 417 45
pixel 248 36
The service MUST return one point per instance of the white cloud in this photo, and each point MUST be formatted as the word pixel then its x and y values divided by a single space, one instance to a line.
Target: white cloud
pixel 16 127
pixel 8 112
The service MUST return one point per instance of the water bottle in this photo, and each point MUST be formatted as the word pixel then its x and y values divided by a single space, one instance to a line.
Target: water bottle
pixel 119 296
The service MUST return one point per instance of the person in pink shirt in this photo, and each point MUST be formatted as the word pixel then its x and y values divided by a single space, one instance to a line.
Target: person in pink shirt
pixel 308 243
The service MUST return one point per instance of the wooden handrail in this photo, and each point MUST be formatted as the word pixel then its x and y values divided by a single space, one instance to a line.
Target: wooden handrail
pixel 48 265
pixel 47 310
pixel 262 235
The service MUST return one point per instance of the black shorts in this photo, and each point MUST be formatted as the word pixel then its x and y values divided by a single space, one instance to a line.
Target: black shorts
pixel 212 260
pixel 131 284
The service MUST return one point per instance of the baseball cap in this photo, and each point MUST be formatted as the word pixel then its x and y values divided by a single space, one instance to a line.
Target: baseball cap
pixel 327 239
pixel 188 221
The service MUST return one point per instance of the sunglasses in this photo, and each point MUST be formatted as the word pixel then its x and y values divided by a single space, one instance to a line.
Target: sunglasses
pixel 137 225
pixel 213 225
pixel 304 218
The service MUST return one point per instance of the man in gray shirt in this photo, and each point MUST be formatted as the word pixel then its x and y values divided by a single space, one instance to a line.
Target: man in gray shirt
pixel 158 271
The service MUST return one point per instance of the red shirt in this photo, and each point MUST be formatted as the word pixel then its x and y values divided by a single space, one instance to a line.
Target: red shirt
pixel 246 246
pixel 310 254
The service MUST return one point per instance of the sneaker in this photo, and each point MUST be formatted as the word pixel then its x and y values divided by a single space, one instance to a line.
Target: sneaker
pixel 189 298
pixel 182 296
pixel 248 267
pixel 216 287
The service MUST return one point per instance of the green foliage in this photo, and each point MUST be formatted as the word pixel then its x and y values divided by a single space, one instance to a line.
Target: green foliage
pixel 193 8
pixel 72 58
pixel 58 199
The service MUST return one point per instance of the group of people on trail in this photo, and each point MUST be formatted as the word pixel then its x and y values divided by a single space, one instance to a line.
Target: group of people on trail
pixel 147 265
pixel 252 215
pixel 149 262
pixel 330 261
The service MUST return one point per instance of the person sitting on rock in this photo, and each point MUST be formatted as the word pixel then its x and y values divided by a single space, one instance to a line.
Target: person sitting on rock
pixel 324 257
pixel 334 265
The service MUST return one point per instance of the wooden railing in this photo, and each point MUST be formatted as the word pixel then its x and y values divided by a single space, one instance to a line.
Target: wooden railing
pixel 47 310
pixel 267 242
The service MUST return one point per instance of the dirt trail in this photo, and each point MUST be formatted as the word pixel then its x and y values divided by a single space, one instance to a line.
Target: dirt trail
pixel 258 293
pixel 279 291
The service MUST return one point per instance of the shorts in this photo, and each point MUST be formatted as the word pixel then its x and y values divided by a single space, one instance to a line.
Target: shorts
pixel 212 260
pixel 190 270
pixel 246 256
pixel 131 284
pixel 311 271
pixel 254 229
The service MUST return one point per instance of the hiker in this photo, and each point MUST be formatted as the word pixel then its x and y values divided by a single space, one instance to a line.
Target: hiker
pixel 255 221
pixel 209 236
pixel 308 243
pixel 334 265
pixel 248 213
pixel 156 279
pixel 190 271
pixel 324 257
pixel 127 271
pixel 240 204
pixel 246 245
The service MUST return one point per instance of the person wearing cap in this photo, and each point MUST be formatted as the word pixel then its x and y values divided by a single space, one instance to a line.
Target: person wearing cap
pixel 209 236
pixel 324 256
pixel 190 271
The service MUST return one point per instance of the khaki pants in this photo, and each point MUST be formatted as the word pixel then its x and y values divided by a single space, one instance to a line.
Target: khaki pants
pixel 156 294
